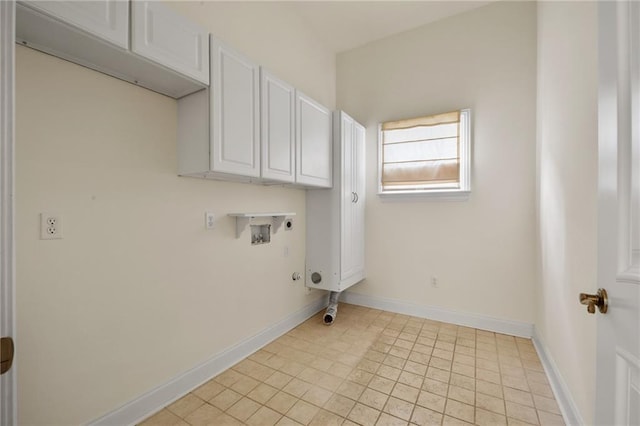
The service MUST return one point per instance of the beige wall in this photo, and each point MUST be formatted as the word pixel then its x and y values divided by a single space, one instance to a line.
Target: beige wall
pixel 272 35
pixel 567 203
pixel 138 291
pixel 482 249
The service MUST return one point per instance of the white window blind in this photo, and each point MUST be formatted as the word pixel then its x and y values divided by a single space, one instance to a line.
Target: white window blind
pixel 424 153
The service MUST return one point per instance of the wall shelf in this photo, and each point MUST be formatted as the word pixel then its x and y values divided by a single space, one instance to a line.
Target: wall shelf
pixel 245 219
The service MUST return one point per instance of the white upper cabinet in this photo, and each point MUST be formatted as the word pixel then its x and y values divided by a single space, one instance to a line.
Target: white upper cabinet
pixel 277 129
pixel 313 143
pixel 169 39
pixel 235 112
pixel 107 19
pixel 219 128
pixel 250 126
pixel 169 56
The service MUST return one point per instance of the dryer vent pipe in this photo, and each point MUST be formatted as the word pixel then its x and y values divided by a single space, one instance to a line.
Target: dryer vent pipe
pixel 332 309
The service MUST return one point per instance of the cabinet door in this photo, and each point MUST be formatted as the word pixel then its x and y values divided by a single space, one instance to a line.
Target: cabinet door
pixel 352 231
pixel 347 197
pixel 235 106
pixel 359 177
pixel 160 34
pixel 313 143
pixel 277 128
pixel 105 19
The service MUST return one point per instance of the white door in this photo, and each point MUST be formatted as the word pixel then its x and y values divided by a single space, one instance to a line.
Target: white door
pixel 313 143
pixel 235 112
pixel 347 196
pixel 7 45
pixel 352 197
pixel 359 189
pixel 160 34
pixel 277 128
pixel 618 338
pixel 107 19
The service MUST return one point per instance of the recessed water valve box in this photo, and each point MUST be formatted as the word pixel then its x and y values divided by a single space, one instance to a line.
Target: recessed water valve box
pixel 260 234
pixel 260 224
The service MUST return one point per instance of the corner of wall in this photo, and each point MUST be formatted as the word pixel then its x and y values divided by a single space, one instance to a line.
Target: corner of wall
pixel 561 391
pixel 566 203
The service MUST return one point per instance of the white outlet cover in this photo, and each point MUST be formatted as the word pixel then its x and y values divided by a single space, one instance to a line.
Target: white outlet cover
pixel 50 226
pixel 209 220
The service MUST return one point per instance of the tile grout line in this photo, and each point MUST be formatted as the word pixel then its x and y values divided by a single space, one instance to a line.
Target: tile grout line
pixel 395 325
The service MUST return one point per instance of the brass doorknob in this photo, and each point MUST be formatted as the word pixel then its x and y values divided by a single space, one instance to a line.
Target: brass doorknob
pixel 599 299
pixel 6 354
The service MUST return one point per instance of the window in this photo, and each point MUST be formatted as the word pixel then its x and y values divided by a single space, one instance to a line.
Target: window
pixel 425 155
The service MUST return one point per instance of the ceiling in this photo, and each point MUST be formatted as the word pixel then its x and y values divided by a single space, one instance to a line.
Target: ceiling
pixel 344 25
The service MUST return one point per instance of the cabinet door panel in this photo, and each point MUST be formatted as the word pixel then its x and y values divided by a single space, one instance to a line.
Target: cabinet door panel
pixel 235 112
pixel 359 177
pixel 169 39
pixel 277 129
pixel 313 143
pixel 348 199
pixel 106 19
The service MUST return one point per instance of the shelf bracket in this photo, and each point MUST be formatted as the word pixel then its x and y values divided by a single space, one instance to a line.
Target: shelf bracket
pixel 241 224
pixel 277 222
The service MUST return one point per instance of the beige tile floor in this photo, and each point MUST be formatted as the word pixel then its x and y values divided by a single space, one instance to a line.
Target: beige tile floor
pixel 373 367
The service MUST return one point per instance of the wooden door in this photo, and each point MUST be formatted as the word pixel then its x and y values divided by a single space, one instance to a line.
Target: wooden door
pixel 8 401
pixel 618 338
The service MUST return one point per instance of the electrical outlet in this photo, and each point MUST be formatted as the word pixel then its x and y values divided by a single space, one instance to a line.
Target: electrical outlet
pixel 50 226
pixel 209 220
pixel 434 281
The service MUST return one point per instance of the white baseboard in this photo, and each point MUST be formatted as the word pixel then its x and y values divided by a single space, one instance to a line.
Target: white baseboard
pixel 514 328
pixel 154 400
pixel 560 389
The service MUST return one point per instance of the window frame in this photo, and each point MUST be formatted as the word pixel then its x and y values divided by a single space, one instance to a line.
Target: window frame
pixel 441 193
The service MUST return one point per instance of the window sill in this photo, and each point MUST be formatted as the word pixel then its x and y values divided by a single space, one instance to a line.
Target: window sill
pixel 435 195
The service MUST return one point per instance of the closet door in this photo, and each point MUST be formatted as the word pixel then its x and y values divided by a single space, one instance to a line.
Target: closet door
pixel 348 199
pixel 359 188
pixel 235 112
pixel 277 128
